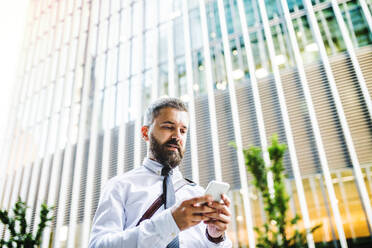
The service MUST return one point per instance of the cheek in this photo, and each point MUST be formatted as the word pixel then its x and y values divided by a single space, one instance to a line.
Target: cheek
pixel 162 137
pixel 183 143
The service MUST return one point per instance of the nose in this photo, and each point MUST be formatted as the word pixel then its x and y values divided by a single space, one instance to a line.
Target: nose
pixel 177 134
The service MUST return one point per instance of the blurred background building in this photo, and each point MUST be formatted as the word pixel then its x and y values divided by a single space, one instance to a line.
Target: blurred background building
pixel 246 68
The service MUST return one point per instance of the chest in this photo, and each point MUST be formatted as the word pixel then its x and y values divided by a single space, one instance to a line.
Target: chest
pixel 142 197
pixel 138 204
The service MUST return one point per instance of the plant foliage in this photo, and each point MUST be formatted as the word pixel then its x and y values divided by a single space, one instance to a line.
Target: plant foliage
pixel 275 232
pixel 20 234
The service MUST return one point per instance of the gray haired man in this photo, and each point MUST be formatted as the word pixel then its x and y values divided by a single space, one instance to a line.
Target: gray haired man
pixel 153 205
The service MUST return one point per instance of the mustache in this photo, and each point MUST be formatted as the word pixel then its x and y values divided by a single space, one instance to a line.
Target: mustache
pixel 173 142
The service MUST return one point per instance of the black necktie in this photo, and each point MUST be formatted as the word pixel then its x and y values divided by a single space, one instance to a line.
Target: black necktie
pixel 169 199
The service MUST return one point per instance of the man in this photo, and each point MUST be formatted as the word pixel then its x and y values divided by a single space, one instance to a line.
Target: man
pixel 186 217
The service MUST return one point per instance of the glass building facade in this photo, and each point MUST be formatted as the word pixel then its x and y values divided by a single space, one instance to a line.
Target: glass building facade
pixel 246 68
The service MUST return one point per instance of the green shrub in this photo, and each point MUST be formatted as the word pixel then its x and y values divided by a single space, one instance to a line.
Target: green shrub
pixel 20 234
pixel 275 232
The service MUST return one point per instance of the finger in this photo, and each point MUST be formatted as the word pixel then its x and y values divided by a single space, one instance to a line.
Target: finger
pixel 219 217
pixel 226 200
pixel 198 200
pixel 216 205
pixel 221 207
pixel 202 209
pixel 199 218
pixel 219 225
pixel 224 210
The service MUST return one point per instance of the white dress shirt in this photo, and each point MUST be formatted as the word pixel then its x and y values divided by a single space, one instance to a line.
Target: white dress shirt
pixel 125 198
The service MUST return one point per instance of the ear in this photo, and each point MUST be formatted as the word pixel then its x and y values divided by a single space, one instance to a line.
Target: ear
pixel 145 132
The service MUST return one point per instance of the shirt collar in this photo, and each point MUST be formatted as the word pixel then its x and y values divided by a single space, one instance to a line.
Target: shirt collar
pixel 156 167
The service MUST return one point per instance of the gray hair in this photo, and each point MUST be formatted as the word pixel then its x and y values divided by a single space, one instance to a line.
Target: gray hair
pixel 167 102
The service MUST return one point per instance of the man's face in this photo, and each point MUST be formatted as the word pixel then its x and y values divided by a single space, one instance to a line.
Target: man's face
pixel 167 136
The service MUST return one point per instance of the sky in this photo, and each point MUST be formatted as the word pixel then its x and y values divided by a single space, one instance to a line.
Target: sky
pixel 12 23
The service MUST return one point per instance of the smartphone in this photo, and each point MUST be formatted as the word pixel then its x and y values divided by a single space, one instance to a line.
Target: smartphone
pixel 216 189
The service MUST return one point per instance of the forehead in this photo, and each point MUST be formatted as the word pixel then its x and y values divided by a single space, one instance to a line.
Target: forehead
pixel 172 115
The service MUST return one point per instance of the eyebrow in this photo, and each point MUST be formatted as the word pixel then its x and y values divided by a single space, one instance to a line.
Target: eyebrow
pixel 172 123
pixel 167 122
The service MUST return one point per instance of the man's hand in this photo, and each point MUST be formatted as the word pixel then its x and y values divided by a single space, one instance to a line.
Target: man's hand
pixel 192 212
pixel 219 219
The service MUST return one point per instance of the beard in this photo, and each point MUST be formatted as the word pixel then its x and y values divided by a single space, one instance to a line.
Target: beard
pixel 163 155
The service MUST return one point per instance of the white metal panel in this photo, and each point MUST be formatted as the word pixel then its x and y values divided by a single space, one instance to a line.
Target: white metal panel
pixel 171 88
pixel 210 91
pixel 367 99
pixel 235 115
pixel 190 93
pixel 323 54
pixel 67 164
pixel 259 116
pixel 52 194
pixel 138 104
pixel 286 122
pixel 93 137
pixel 80 150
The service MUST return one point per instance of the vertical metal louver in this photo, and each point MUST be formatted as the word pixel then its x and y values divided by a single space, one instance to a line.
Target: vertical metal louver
pixel 143 147
pixel 302 132
pixel 365 57
pixel 113 164
pixel 354 107
pixel 97 175
pixel 329 125
pixel 129 146
pixel 185 167
pixel 3 197
pixel 228 154
pixel 17 186
pixel 69 189
pixel 32 166
pixel 272 116
pixel 58 189
pixel 121 148
pixel 50 164
pixel 247 115
pixel 33 201
pixel 83 183
pixel 204 140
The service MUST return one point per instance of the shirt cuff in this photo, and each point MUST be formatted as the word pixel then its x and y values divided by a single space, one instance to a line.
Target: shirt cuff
pixel 210 244
pixel 166 225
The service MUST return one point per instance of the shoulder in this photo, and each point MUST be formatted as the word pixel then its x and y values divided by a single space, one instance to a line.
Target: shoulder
pixel 119 187
pixel 193 188
pixel 189 182
pixel 119 182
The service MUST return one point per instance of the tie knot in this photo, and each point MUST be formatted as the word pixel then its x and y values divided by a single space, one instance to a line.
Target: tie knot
pixel 166 171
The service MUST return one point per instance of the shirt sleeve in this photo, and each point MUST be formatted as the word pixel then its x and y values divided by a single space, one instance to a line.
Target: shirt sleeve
pixel 110 219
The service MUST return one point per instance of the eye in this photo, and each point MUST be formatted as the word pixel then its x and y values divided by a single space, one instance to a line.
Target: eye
pixel 183 131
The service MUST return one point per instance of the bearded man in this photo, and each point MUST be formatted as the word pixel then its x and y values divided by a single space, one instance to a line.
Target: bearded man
pixel 153 206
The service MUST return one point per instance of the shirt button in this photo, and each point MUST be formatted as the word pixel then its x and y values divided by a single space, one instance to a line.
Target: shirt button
pixel 173 235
